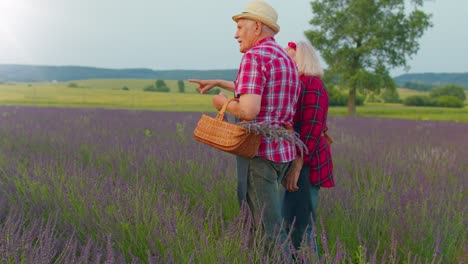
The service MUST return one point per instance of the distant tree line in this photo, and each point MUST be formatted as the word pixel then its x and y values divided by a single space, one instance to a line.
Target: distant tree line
pixel 444 96
pixel 419 86
pixel 428 81
pixel 450 95
pixel 336 96
pixel 161 86
pixel 73 85
pixel 39 73
pixel 35 73
pixel 158 86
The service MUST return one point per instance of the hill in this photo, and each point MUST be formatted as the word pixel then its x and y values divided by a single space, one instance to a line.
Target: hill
pixel 38 73
pixel 425 81
pixel 35 73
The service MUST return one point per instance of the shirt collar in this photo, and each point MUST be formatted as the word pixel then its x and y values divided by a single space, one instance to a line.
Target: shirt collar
pixel 265 40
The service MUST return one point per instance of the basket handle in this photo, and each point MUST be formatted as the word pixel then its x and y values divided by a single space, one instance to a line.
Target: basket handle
pixel 220 115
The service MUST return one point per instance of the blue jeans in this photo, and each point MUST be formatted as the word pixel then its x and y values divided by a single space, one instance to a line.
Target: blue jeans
pixel 242 165
pixel 264 198
pixel 242 171
pixel 300 209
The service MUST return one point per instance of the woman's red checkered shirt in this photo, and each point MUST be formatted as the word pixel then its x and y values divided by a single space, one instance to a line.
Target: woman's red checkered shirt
pixel 310 122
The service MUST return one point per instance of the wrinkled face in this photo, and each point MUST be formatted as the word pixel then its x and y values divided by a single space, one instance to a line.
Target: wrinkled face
pixel 246 34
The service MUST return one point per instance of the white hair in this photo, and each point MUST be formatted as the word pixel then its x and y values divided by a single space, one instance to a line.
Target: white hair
pixel 307 60
pixel 268 30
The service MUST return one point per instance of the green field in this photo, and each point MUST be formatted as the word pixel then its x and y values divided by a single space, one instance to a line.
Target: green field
pixel 407 112
pixel 109 93
pixel 104 93
pixel 404 93
pixel 132 84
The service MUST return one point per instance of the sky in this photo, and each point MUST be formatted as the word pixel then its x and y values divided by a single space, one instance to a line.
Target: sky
pixel 185 34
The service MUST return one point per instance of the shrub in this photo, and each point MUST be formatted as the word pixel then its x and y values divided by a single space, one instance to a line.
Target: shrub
pixel 373 98
pixel 125 88
pixel 337 98
pixel 359 100
pixel 159 86
pixel 451 90
pixel 391 96
pixel 73 85
pixel 449 101
pixel 420 86
pixel 150 88
pixel 164 89
pixel 213 91
pixel 418 100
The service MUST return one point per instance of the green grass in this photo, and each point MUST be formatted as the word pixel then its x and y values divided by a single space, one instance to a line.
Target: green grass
pixel 105 84
pixel 405 92
pixel 108 93
pixel 406 112
pixel 61 95
pixel 132 84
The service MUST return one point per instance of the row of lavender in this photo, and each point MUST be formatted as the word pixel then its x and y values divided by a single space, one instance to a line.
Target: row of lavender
pixel 119 186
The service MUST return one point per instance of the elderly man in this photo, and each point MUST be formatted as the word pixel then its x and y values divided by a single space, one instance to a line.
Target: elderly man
pixel 268 88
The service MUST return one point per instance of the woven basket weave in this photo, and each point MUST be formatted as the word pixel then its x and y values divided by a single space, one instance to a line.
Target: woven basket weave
pixel 225 136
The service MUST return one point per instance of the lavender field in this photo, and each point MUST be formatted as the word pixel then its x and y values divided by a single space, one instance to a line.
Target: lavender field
pixel 89 185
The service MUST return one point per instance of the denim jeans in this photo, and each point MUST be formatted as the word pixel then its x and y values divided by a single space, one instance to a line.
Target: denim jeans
pixel 242 171
pixel 300 209
pixel 264 191
pixel 242 165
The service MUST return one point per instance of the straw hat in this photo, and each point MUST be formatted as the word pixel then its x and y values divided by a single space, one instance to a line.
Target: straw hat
pixel 261 11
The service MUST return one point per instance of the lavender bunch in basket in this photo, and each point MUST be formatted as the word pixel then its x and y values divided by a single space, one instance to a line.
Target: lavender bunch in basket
pixel 275 132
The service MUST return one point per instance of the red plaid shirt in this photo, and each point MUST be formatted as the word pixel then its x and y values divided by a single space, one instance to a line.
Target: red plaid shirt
pixel 267 70
pixel 310 122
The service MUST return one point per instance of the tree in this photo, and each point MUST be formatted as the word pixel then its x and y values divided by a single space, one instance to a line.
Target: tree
pixel 73 85
pixel 449 90
pixel 150 88
pixel 161 86
pixel 213 91
pixel 391 96
pixel 181 86
pixel 361 40
pixel 420 86
pixel 419 100
pixel 449 101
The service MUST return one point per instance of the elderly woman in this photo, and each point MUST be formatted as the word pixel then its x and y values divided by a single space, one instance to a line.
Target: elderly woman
pixel 313 170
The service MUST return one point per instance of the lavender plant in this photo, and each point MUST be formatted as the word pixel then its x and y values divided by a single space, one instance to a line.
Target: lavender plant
pixel 274 132
pixel 118 186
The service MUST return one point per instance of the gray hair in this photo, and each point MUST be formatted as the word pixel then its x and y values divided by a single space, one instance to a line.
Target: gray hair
pixel 268 30
pixel 307 60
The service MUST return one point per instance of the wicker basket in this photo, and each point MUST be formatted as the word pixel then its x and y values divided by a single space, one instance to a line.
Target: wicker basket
pixel 225 136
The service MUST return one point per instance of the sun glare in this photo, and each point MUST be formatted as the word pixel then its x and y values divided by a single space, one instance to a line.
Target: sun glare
pixel 13 13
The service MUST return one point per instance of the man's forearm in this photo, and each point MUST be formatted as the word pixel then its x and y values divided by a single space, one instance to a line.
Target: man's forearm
pixel 227 85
